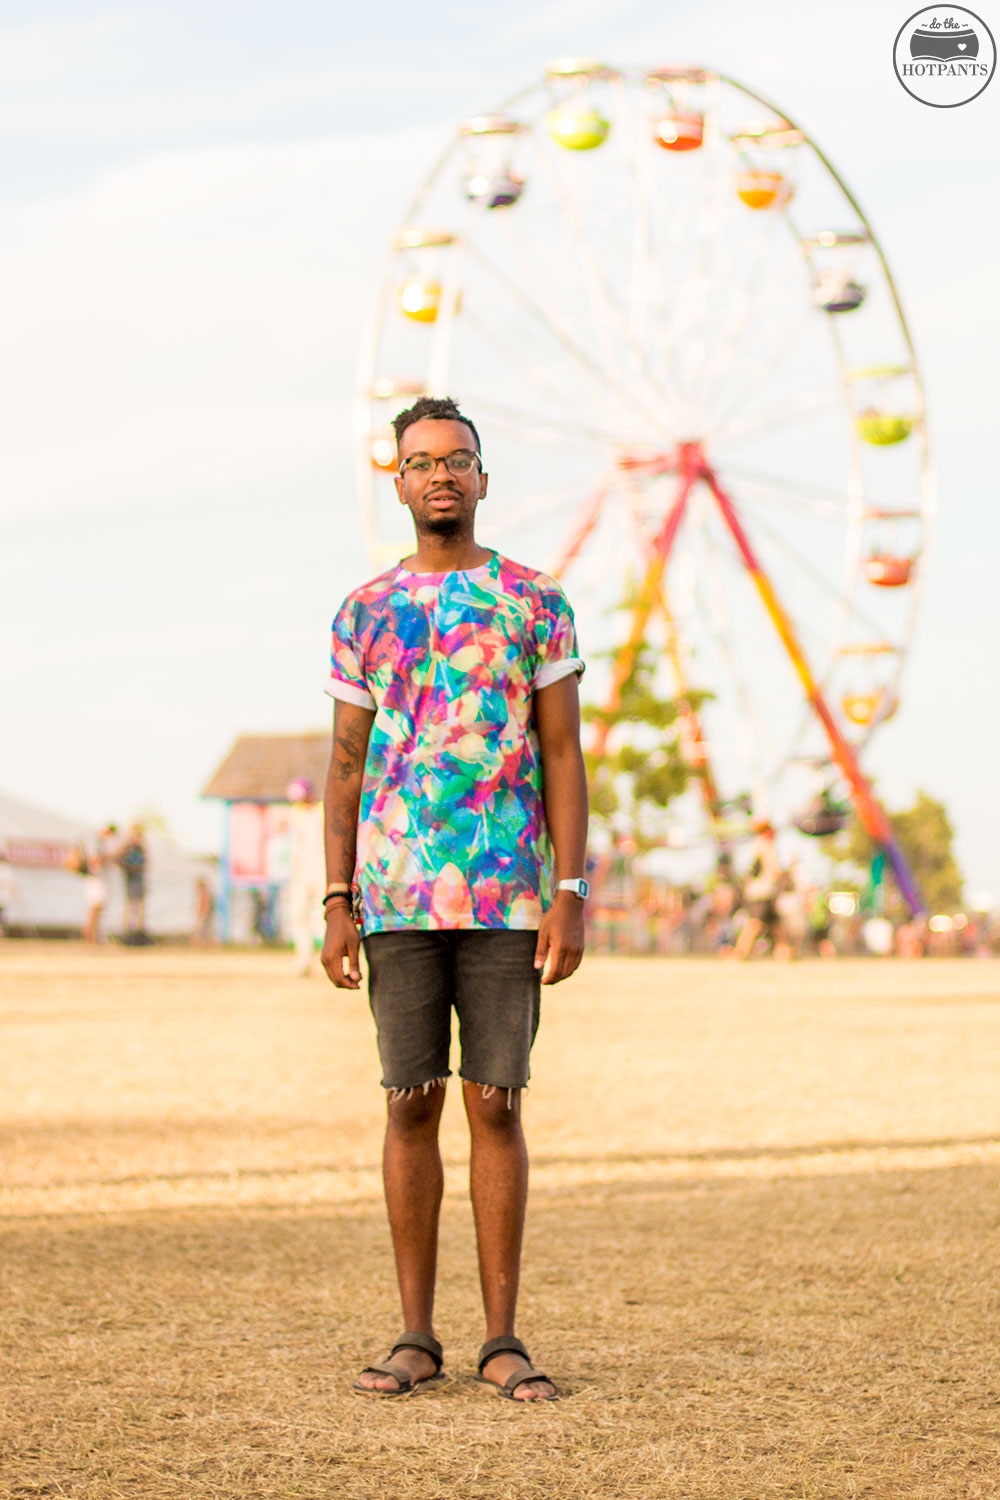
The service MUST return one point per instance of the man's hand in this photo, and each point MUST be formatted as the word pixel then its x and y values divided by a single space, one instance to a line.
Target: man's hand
pixel 342 942
pixel 560 938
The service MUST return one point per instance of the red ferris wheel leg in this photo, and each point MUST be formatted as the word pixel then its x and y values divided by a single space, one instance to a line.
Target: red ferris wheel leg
pixel 871 813
pixel 584 522
pixel 694 744
pixel 648 593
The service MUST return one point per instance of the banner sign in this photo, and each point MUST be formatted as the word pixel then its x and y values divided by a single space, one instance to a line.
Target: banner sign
pixel 39 854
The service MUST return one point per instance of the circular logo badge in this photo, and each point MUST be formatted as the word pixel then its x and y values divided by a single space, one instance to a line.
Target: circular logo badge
pixel 944 56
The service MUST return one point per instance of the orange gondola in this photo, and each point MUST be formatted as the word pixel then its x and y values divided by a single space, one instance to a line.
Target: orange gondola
pixel 759 189
pixel 678 131
pixel 888 572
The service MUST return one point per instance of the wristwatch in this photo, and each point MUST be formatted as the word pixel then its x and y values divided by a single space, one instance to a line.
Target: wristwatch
pixel 578 887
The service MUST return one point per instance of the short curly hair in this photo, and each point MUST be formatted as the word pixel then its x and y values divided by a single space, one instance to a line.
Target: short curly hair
pixel 433 409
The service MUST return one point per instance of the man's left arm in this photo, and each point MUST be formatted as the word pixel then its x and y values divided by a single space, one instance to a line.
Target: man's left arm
pixel 564 792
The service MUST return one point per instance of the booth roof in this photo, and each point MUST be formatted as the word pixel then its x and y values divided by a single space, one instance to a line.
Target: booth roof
pixel 24 820
pixel 259 767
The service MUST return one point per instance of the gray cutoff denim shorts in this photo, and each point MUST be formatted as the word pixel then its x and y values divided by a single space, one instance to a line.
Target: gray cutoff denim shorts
pixel 487 974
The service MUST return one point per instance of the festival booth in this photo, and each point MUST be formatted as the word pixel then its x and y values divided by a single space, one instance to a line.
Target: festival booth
pixel 259 783
pixel 49 899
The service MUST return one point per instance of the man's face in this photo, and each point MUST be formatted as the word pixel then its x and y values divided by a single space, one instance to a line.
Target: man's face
pixel 440 502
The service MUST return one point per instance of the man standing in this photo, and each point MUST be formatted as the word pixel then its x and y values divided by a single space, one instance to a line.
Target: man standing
pixel 132 862
pixel 456 757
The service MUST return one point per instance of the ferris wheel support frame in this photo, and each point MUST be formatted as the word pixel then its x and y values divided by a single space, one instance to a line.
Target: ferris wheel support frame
pixel 871 814
pixel 615 369
pixel 690 463
pixel 687 464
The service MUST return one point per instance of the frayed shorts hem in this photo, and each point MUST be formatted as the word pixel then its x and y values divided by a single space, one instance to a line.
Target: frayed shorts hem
pixel 417 979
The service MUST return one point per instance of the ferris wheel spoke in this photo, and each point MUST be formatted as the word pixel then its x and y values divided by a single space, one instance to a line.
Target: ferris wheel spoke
pixel 552 502
pixel 604 379
pixel 602 303
pixel 802 408
pixel 758 374
pixel 648 318
pixel 581 425
pixel 691 301
pixel 713 608
pixel 761 490
pixel 537 427
pixel 792 490
pixel 745 305
pixel 609 315
pixel 834 590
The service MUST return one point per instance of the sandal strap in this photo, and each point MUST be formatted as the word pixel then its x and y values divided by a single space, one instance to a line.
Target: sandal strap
pixel 425 1341
pixel 521 1377
pixel 399 1373
pixel 505 1344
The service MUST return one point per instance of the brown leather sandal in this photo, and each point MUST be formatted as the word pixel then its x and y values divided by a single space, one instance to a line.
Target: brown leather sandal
pixel 508 1344
pixel 406 1386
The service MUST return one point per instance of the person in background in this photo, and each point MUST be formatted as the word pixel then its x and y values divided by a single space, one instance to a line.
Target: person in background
pixel 132 863
pixel 820 922
pixel 204 914
pixel 96 882
pixel 306 883
pixel 790 904
pixel 760 890
pixel 723 897
pixel 9 892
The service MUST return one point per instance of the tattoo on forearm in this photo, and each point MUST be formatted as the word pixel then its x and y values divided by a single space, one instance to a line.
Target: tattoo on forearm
pixel 341 825
pixel 348 753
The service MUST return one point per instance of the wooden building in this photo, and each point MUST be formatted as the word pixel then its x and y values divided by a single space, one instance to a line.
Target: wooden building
pixel 256 784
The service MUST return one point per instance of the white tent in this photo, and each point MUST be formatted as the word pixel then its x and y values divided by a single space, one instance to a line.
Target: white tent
pixel 49 898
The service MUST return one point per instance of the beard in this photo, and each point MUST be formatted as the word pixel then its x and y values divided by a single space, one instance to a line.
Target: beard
pixel 442 525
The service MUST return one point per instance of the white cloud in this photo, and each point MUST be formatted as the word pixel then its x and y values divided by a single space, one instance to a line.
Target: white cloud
pixel 559 19
pixel 188 324
pixel 125 110
pixel 41 54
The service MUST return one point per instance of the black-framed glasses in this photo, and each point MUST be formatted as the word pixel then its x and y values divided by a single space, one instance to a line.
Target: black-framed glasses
pixel 458 463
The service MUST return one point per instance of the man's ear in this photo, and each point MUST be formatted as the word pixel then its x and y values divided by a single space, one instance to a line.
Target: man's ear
pixel 484 480
pixel 398 482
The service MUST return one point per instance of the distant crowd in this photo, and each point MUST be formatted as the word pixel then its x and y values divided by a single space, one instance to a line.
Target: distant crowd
pixel 773 911
pixel 95 864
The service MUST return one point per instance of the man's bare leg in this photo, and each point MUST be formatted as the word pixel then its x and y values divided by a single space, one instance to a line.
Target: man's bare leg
pixel 498 1181
pixel 414 1184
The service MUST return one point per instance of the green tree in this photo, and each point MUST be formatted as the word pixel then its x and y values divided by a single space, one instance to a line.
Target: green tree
pixel 631 785
pixel 925 835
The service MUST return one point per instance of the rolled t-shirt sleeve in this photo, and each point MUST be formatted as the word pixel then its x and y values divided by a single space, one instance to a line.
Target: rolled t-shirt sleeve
pixel 347 678
pixel 557 652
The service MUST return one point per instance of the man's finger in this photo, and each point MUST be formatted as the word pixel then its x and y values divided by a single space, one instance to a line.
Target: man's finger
pixel 569 962
pixel 333 963
pixel 542 949
pixel 551 974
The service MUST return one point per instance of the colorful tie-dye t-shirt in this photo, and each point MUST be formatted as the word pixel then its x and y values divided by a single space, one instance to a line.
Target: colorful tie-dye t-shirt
pixel 451 830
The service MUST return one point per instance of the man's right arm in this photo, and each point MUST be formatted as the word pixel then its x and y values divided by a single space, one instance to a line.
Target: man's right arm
pixel 341 804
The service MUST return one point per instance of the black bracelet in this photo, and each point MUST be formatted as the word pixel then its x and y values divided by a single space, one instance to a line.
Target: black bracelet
pixel 336 895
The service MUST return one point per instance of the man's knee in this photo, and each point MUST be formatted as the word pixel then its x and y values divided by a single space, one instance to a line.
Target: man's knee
pixel 497 1110
pixel 417 1108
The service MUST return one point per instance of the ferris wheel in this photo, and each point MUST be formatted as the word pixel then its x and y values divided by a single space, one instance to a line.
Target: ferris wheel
pixel 681 337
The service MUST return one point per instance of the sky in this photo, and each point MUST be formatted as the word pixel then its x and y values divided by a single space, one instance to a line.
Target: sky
pixel 194 203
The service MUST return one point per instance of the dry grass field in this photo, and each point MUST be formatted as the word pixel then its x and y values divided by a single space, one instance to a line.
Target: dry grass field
pixel 762 1257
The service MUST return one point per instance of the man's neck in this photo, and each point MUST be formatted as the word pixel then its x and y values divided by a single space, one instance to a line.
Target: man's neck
pixel 436 554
